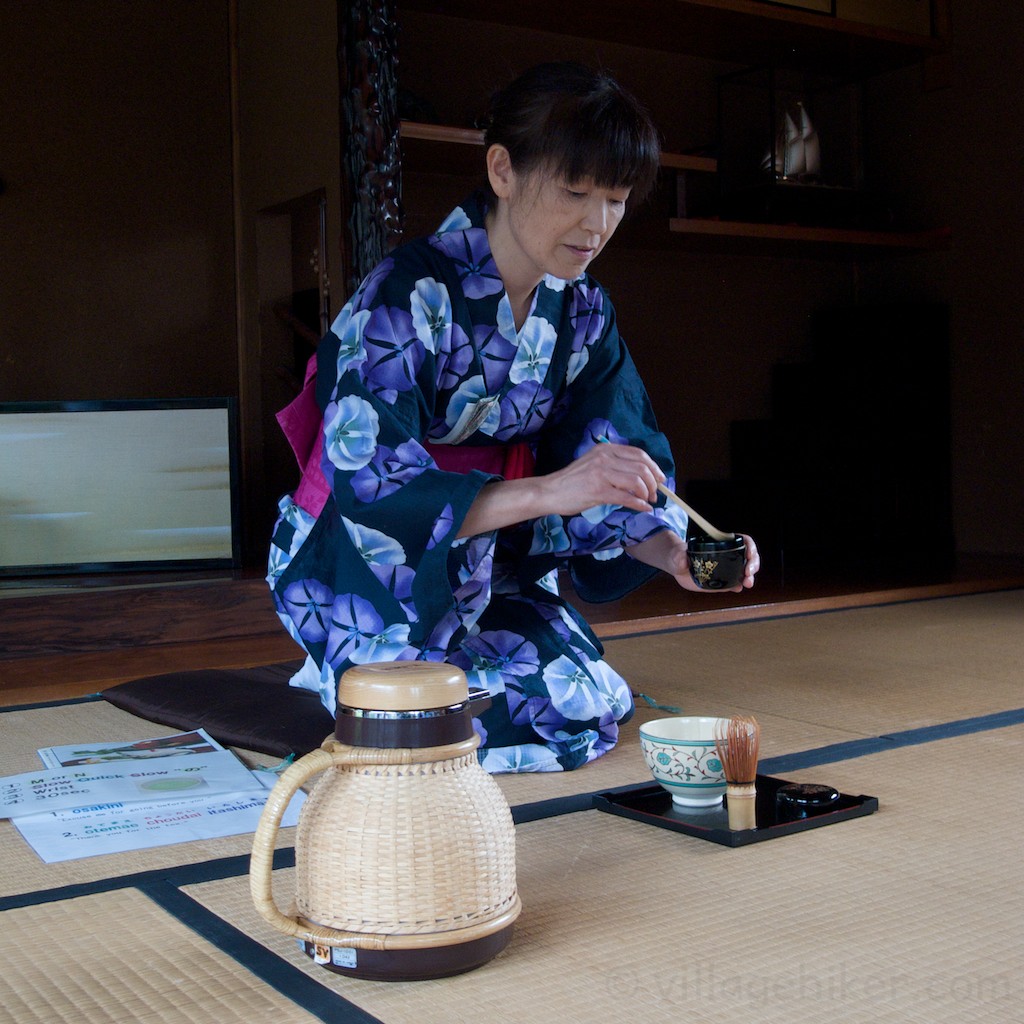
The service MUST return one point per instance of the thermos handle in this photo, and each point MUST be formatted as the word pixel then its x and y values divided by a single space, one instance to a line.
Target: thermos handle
pixel 261 861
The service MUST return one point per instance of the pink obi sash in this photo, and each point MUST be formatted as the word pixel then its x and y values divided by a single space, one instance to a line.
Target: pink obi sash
pixel 301 421
pixel 512 461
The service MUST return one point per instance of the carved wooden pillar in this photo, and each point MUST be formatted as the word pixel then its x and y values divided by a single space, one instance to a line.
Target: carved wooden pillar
pixel 370 155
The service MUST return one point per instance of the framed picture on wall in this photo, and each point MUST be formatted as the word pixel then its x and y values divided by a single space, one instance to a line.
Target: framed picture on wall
pixel 119 485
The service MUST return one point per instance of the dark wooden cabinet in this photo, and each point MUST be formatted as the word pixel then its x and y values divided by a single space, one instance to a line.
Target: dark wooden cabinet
pixel 690 291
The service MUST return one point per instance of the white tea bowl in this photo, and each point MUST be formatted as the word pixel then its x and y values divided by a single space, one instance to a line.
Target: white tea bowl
pixel 681 754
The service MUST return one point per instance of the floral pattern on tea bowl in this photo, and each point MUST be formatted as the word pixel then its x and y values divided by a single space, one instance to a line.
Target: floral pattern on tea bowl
pixel 681 755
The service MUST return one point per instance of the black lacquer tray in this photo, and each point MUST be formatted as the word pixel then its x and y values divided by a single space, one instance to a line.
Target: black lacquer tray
pixel 651 804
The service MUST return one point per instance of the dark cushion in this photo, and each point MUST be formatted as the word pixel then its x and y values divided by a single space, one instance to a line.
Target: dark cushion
pixel 254 708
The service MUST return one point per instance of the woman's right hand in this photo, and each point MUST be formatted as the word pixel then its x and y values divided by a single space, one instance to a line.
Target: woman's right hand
pixel 607 474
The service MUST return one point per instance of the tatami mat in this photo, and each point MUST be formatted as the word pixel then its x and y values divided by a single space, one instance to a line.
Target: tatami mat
pixel 811 680
pixel 863 671
pixel 914 915
pixel 815 680
pixel 117 958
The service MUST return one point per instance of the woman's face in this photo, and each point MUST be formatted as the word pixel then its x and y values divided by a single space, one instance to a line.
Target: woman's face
pixel 558 227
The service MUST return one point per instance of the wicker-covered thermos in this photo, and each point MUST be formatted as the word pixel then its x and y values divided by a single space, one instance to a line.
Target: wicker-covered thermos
pixel 405 848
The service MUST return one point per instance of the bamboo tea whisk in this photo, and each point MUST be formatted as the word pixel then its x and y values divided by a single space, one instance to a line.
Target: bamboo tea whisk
pixel 737 740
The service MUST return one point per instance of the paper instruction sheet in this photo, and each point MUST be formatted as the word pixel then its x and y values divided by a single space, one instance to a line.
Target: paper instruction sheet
pixel 110 797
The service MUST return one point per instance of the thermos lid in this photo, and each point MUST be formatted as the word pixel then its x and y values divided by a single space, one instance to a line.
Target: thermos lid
pixel 403 686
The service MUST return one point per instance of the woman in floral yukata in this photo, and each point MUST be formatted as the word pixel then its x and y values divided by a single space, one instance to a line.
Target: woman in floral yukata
pixel 455 459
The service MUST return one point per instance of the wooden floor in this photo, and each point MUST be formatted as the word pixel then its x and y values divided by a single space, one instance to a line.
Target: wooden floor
pixel 63 638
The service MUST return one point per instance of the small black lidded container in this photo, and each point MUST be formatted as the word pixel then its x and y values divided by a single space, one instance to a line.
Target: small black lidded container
pixel 717 564
pixel 798 800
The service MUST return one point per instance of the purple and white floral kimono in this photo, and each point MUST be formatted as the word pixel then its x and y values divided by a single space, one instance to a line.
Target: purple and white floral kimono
pixel 365 565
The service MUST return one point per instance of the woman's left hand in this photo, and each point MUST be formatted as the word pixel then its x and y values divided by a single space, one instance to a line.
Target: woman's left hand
pixel 667 551
pixel 752 565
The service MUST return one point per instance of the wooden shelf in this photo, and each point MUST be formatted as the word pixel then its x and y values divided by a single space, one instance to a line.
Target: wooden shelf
pixel 455 151
pixel 800 240
pixel 444 156
pixel 738 31
pixel 440 133
pixel 684 162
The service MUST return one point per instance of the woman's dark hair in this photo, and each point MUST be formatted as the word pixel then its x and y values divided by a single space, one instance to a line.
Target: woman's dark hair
pixel 576 123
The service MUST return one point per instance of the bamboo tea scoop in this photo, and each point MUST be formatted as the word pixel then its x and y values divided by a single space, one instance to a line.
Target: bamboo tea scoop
pixel 712 531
